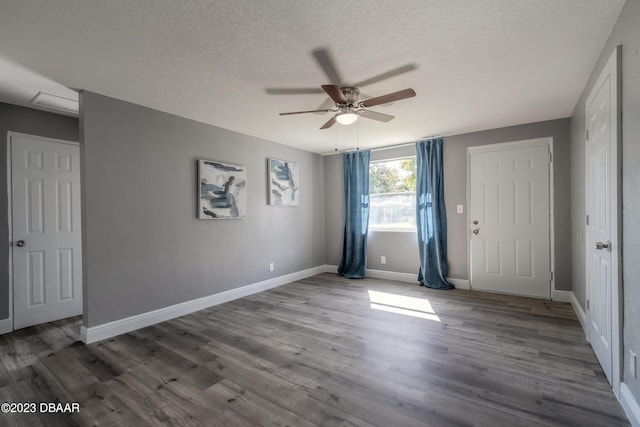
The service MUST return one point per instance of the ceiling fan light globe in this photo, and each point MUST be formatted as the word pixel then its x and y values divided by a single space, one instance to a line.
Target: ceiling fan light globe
pixel 346 118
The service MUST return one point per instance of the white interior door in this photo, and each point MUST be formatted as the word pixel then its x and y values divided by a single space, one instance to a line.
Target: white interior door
pixel 601 204
pixel 46 234
pixel 509 213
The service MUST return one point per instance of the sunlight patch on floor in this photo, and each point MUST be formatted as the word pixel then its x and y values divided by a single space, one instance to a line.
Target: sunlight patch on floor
pixel 400 304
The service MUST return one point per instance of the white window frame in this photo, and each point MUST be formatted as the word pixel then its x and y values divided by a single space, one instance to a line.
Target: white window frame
pixel 384 229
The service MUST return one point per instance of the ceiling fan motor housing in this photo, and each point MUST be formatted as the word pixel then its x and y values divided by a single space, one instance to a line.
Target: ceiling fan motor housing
pixel 351 94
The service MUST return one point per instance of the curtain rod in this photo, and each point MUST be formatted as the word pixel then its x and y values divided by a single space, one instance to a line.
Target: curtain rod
pixel 387 147
pixel 403 144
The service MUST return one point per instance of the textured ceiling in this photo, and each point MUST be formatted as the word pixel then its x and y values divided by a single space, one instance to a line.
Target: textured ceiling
pixel 479 64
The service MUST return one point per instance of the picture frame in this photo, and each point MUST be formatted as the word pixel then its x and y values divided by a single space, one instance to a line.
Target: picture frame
pixel 222 190
pixel 284 182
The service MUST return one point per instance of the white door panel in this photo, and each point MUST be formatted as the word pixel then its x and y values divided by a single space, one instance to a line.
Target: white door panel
pixel 46 250
pixel 509 212
pixel 599 206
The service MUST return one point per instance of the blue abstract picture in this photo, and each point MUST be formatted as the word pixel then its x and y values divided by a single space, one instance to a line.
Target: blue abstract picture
pixel 284 183
pixel 222 190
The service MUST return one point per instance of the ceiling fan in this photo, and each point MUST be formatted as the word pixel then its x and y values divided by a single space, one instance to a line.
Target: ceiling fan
pixel 344 97
pixel 349 108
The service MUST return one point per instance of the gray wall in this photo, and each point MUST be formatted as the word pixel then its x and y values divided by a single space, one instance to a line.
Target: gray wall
pixel 33 122
pixel 334 207
pixel 144 249
pixel 626 32
pixel 401 248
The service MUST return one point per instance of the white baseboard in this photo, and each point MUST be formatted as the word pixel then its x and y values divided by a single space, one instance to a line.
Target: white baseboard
pixel 392 275
pixel 6 326
pixel 460 283
pixel 561 296
pixel 381 274
pixel 330 268
pixel 582 316
pixel 569 296
pixel 399 277
pixel 630 405
pixel 121 326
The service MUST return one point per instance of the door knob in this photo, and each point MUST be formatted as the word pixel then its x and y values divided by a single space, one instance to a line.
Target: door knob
pixel 476 231
pixel 601 245
pixel 475 222
pixel 20 243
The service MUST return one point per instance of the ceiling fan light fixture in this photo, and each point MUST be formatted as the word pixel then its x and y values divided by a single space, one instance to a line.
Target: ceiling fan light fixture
pixel 346 118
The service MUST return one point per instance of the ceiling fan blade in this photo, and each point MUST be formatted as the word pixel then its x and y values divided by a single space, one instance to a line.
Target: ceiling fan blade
pixel 292 90
pixel 381 117
pixel 388 74
pixel 335 93
pixel 323 58
pixel 390 97
pixel 328 103
pixel 330 123
pixel 305 112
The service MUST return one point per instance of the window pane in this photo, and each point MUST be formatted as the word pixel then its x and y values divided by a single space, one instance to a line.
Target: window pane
pixel 392 187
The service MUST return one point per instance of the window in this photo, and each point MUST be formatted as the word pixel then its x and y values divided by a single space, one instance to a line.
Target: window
pixel 392 195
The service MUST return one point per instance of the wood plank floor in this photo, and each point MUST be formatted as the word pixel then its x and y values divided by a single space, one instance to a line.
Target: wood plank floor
pixel 322 351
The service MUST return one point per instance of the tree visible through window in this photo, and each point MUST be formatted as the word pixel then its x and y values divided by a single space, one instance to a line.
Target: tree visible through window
pixel 392 195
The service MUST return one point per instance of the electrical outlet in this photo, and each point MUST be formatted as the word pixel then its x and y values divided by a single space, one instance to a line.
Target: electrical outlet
pixel 272 266
pixel 632 363
pixel 460 209
pixel 383 259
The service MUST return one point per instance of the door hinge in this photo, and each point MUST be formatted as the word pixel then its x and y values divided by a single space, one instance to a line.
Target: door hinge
pixel 550 157
pixel 587 134
pixel 551 275
pixel 587 219
pixel 588 305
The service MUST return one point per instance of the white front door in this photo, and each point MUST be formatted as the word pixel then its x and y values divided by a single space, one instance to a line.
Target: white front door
pixel 601 221
pixel 46 242
pixel 509 211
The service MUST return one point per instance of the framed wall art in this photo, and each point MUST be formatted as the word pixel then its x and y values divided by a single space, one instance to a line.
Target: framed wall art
pixel 284 183
pixel 222 190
